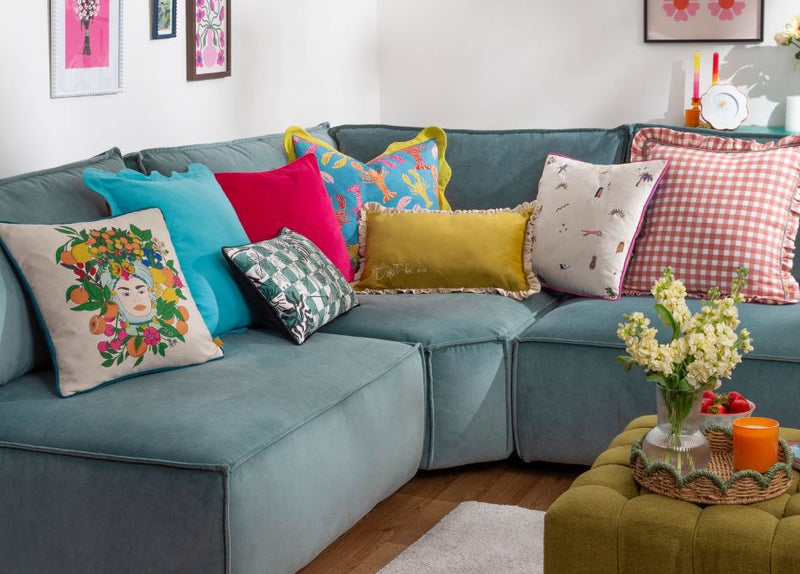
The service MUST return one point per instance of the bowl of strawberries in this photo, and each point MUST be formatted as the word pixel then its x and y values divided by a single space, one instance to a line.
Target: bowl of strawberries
pixel 722 409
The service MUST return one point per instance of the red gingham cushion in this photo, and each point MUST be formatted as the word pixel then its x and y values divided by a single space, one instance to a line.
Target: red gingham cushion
pixel 722 203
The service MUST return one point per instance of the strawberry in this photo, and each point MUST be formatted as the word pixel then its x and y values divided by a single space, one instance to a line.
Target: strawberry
pixel 718 410
pixel 739 406
pixel 733 395
pixel 709 395
pixel 707 402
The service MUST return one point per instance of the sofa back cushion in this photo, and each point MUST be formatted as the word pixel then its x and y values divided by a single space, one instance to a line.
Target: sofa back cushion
pixel 250 154
pixel 758 134
pixel 55 195
pixel 493 169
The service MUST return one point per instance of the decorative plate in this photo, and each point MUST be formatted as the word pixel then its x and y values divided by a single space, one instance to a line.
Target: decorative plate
pixel 724 107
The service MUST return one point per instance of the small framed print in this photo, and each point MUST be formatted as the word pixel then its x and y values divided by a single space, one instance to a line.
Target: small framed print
pixel 704 21
pixel 164 24
pixel 208 39
pixel 85 47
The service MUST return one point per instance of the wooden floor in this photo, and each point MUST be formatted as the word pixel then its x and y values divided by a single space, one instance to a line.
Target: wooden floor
pixel 402 518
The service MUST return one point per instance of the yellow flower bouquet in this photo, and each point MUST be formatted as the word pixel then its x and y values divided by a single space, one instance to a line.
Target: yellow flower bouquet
pixel 704 348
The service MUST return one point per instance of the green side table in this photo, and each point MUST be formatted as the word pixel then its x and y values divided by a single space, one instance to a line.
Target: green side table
pixel 607 524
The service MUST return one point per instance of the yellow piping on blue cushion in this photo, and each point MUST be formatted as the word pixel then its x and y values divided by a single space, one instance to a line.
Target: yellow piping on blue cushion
pixel 429 133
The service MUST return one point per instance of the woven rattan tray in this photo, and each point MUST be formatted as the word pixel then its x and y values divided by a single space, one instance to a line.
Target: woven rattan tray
pixel 719 483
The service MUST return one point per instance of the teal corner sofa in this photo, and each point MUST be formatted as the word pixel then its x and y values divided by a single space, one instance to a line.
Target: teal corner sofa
pixel 256 462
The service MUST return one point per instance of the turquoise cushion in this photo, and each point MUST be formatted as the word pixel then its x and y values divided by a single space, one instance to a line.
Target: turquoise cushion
pixel 250 464
pixel 201 221
pixel 259 153
pixel 56 195
pixel 493 168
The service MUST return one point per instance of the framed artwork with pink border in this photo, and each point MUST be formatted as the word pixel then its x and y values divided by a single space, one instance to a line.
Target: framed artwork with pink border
pixel 208 39
pixel 85 47
pixel 704 21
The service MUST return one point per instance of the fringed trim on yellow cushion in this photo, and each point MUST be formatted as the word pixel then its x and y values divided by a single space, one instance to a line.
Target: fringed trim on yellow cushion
pixel 527 250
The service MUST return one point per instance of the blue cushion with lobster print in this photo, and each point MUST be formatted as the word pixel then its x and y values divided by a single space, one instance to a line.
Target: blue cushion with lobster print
pixel 408 175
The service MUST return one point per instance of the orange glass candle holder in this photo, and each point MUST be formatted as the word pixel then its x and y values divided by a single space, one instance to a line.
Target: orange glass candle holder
pixel 692 115
pixel 755 443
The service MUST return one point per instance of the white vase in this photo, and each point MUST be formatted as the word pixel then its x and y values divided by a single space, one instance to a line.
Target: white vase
pixel 792 114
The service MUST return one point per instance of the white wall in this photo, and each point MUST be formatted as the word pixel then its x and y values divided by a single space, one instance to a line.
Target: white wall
pixel 572 63
pixel 294 61
pixel 456 63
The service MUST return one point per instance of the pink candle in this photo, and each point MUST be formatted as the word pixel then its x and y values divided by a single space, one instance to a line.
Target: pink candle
pixel 715 69
pixel 696 90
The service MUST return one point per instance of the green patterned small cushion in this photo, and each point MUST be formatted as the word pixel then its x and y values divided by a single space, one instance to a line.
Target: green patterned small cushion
pixel 302 289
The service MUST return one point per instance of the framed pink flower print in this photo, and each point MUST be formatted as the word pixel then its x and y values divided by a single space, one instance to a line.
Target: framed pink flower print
pixel 703 20
pixel 86 40
pixel 208 35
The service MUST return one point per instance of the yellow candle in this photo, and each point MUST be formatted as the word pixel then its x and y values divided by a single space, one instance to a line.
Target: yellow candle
pixel 696 90
pixel 755 443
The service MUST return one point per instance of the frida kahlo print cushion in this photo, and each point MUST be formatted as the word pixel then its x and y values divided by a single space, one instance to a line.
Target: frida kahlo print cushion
pixel 111 298
pixel 408 175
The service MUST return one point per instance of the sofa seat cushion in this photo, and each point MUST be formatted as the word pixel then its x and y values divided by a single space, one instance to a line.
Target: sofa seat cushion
pixel 440 319
pixel 468 341
pixel 568 358
pixel 253 463
pixel 593 322
pixel 214 414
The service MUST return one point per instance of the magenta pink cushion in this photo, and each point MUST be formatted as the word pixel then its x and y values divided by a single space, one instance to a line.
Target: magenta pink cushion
pixel 723 203
pixel 291 196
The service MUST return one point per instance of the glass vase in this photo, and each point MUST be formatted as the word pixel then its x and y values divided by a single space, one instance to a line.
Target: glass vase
pixel 677 440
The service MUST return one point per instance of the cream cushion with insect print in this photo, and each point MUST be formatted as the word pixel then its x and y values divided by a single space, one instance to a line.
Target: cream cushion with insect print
pixel 591 215
pixel 407 175
pixel 111 298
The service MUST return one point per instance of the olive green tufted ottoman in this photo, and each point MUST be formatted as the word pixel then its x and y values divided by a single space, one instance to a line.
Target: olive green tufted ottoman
pixel 605 523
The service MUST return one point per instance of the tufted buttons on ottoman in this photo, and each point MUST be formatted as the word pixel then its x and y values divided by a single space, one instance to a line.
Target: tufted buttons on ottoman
pixel 607 524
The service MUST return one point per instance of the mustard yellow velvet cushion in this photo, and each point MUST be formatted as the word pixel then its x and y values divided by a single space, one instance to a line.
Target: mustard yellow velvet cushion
pixel 444 251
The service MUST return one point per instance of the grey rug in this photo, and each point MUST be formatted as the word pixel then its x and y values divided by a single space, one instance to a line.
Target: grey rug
pixel 477 537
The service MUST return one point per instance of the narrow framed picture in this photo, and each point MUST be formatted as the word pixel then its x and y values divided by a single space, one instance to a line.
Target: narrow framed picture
pixel 164 24
pixel 704 21
pixel 208 39
pixel 85 47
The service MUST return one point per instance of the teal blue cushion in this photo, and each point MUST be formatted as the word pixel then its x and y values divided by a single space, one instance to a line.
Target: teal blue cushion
pixel 571 353
pixel 259 153
pixel 493 168
pixel 592 322
pixel 201 221
pixel 251 464
pixel 55 195
pixel 468 342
